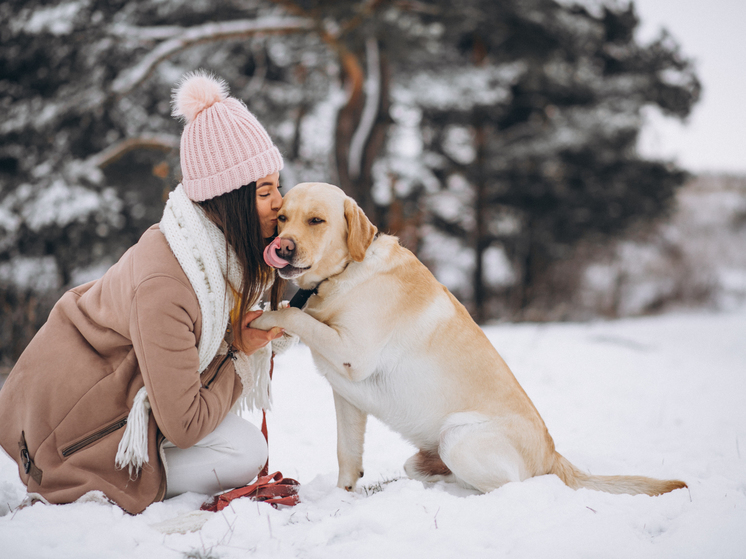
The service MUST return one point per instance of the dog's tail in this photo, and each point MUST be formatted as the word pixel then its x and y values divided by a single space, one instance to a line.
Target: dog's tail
pixel 632 485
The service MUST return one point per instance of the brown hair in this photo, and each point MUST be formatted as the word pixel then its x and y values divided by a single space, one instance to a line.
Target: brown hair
pixel 236 215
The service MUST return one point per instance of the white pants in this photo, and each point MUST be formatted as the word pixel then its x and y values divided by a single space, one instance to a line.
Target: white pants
pixel 231 456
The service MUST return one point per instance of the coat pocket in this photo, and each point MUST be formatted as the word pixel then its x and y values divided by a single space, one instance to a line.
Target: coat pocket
pixel 94 437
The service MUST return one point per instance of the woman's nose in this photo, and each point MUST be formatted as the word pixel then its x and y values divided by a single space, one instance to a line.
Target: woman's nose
pixel 277 202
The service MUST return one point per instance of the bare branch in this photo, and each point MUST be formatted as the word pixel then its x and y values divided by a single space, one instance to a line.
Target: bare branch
pixel 127 80
pixel 152 33
pixel 370 109
pixel 414 6
pixel 260 69
pixel 162 142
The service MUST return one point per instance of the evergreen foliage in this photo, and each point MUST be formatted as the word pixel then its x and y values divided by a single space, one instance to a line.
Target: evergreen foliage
pixel 504 129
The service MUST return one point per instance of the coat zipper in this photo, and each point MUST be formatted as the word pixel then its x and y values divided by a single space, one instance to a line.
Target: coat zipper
pixel 122 422
pixel 228 355
pixel 73 448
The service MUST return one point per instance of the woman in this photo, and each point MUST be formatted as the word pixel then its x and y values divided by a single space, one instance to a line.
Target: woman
pixel 127 387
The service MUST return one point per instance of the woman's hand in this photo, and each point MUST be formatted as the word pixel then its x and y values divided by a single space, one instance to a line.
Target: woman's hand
pixel 249 340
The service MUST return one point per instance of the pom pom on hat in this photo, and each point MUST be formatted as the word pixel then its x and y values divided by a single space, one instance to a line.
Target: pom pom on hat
pixel 223 145
pixel 196 92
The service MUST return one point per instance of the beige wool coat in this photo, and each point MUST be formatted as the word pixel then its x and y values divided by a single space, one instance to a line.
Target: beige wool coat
pixel 64 406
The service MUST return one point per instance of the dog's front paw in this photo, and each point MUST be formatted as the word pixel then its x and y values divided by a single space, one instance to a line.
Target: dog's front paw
pixel 268 320
pixel 348 482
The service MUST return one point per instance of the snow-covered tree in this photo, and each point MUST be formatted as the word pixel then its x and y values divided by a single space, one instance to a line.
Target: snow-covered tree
pixel 489 135
pixel 88 148
pixel 515 134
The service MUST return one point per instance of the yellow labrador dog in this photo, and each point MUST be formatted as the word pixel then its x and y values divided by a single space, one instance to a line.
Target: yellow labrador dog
pixel 395 343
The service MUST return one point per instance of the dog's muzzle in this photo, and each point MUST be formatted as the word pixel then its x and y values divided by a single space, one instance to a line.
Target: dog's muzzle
pixel 279 254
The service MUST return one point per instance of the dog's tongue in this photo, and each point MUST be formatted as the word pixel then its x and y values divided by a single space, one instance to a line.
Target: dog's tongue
pixel 270 255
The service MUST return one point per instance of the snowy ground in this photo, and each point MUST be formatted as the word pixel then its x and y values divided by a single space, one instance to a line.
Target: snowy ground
pixel 661 396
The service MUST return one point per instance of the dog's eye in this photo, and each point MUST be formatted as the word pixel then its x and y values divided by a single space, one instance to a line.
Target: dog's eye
pixel 315 221
pixel 281 218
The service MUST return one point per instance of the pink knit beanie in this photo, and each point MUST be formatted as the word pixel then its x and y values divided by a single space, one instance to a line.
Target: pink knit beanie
pixel 223 146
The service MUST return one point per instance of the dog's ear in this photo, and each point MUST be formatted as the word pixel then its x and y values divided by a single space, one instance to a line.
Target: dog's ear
pixel 360 231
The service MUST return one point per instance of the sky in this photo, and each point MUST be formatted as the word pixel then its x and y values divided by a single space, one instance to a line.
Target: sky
pixel 711 32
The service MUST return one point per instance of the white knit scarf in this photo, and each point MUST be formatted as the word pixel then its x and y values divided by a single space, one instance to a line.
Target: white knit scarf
pixel 200 248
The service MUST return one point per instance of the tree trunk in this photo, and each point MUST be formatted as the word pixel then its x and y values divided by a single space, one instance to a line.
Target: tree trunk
pixel 481 242
pixel 518 296
pixel 362 123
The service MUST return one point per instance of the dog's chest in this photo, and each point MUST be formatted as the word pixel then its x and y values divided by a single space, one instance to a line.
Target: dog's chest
pixel 407 403
pixel 365 394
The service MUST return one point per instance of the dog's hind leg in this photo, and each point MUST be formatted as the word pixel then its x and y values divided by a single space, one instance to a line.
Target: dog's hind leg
pixel 426 465
pixel 475 448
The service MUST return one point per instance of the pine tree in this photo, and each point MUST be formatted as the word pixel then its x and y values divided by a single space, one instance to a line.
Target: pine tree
pixel 498 128
pixel 534 137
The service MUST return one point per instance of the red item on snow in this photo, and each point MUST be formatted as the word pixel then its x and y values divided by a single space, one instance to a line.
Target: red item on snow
pixel 273 489
pixel 268 488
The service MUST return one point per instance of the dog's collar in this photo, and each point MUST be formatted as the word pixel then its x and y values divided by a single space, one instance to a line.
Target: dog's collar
pixel 301 297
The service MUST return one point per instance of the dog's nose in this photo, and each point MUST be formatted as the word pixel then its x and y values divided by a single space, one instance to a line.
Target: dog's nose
pixel 286 245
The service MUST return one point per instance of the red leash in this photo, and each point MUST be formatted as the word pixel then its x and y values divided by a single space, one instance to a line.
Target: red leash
pixel 273 489
pixel 265 432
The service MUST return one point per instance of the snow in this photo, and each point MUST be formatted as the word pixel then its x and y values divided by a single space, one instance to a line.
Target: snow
pixel 462 89
pixel 447 259
pixel 696 253
pixel 58 20
pixel 38 274
pixel 458 144
pixel 9 224
pixel 128 79
pixel 317 128
pixel 59 204
pixel 497 268
pixel 659 396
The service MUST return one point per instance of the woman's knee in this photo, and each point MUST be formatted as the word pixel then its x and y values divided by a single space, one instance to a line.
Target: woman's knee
pixel 251 448
pixel 244 446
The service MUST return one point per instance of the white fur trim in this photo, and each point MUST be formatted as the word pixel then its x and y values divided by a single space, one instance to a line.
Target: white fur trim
pixel 31 499
pixel 95 496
